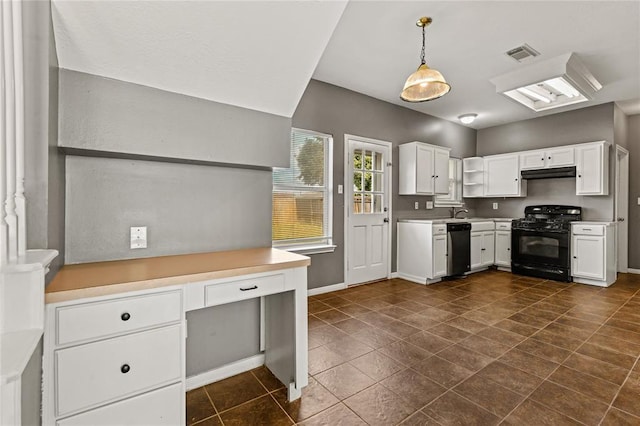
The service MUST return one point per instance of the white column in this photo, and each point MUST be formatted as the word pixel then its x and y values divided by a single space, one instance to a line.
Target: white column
pixel 18 55
pixel 3 143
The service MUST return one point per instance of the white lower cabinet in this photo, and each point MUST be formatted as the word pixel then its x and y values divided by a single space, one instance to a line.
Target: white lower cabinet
pixel 439 256
pixel 593 254
pixel 422 251
pixel 158 408
pixel 133 376
pixel 482 244
pixel 503 249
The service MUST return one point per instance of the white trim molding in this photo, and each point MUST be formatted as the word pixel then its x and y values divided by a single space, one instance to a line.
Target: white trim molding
pixel 224 372
pixel 326 289
pixel 633 271
pixel 394 275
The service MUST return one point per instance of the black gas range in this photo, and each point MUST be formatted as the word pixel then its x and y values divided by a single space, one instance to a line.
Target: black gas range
pixel 541 241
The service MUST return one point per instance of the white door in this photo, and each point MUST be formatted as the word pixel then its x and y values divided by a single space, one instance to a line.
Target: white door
pixel 588 257
pixel 622 207
pixel 503 248
pixel 441 170
pixel 476 250
pixel 425 173
pixel 488 248
pixel 502 175
pixel 368 184
pixel 439 256
pixel 589 169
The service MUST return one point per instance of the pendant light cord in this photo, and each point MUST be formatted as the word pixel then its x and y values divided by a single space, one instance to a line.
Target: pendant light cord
pixel 422 61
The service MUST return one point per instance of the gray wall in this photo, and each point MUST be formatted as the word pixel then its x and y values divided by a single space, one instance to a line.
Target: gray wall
pixel 330 109
pixel 101 114
pixel 583 125
pixel 634 191
pixel 187 207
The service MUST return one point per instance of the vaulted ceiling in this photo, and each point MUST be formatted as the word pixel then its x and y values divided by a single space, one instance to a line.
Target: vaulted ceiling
pixel 261 54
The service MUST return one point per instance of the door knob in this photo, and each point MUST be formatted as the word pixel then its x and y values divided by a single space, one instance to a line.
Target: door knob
pixel 621 219
pixel 385 220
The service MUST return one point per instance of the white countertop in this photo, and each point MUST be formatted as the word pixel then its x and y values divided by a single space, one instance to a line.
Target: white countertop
pixel 460 220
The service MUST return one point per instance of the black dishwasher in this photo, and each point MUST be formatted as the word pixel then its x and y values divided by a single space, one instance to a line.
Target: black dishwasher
pixel 458 248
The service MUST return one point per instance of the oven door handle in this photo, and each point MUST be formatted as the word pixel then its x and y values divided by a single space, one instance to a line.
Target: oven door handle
pixel 543 231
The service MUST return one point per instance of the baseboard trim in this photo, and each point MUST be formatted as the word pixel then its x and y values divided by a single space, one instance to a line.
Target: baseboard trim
pixel 225 371
pixel 394 275
pixel 326 289
pixel 633 271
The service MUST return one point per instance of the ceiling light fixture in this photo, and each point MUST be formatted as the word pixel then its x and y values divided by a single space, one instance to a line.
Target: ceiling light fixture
pixel 425 84
pixel 556 82
pixel 467 118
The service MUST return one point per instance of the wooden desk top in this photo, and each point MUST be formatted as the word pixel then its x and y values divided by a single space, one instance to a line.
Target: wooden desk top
pixel 104 278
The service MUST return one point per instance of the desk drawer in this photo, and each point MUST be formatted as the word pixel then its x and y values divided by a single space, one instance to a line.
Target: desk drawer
pixel 439 229
pixel 218 294
pixel 100 319
pixel 503 225
pixel 97 373
pixel 587 229
pixel 159 408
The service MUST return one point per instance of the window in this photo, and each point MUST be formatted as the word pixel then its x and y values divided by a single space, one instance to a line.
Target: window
pixel 454 197
pixel 302 198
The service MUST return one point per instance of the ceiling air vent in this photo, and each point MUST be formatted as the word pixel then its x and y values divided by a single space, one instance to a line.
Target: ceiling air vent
pixel 522 53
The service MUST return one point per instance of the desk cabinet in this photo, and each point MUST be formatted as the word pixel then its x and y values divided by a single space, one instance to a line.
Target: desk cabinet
pixel 114 353
pixel 104 353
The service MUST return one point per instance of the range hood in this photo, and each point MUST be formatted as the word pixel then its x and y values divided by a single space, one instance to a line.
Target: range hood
pixel 558 172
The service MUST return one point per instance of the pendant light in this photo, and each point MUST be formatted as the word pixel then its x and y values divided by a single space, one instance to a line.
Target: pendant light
pixel 425 84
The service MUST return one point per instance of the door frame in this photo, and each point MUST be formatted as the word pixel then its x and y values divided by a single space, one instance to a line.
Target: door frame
pixel 622 157
pixel 389 181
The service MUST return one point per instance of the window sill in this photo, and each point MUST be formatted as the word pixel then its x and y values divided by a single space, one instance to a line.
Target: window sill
pixel 314 249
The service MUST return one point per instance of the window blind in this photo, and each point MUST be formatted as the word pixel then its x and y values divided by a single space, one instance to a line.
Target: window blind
pixel 300 195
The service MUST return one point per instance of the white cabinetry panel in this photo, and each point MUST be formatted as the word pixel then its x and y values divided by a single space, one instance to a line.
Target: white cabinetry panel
pixel 502 176
pixel 588 257
pixel 439 256
pixel 99 372
pixel 158 408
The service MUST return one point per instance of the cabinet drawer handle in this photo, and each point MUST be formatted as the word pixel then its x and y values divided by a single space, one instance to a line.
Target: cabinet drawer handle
pixel 586 229
pixel 125 369
pixel 249 288
pixel 125 316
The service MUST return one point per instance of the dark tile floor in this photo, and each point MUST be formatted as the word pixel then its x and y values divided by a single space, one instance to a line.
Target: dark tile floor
pixel 492 348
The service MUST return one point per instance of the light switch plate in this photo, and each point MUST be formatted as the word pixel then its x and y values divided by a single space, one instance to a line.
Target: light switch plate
pixel 639 201
pixel 495 206
pixel 429 205
pixel 138 237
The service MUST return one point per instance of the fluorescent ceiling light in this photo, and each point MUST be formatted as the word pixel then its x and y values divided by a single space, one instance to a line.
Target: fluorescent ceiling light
pixel 557 82
pixel 467 118
pixel 532 94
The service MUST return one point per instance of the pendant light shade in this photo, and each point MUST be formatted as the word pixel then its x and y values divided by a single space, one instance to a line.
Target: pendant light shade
pixel 425 84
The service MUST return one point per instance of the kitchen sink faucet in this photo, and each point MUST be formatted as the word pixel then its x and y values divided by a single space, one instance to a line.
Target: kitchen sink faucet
pixel 454 212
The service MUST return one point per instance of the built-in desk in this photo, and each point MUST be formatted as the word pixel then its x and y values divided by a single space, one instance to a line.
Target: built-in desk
pixel 114 345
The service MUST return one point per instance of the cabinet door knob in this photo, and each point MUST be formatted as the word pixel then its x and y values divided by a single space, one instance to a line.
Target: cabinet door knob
pixel 516 179
pixel 579 176
pixel 542 159
pixel 125 316
pixel 575 257
pixel 549 158
pixel 125 368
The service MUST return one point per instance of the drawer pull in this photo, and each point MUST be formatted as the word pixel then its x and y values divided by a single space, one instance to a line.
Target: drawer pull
pixel 586 229
pixel 125 369
pixel 125 316
pixel 249 288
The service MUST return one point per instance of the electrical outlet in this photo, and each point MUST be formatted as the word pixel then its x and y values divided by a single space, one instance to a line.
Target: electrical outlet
pixel 429 205
pixel 416 205
pixel 639 201
pixel 495 206
pixel 340 189
pixel 138 237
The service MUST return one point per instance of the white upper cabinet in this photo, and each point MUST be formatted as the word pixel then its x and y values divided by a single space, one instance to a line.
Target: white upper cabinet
pixel 592 169
pixel 424 169
pixel 548 158
pixel 502 176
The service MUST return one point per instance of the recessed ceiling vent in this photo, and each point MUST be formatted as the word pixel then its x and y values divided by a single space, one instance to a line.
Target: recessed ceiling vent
pixel 522 53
